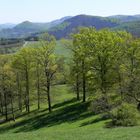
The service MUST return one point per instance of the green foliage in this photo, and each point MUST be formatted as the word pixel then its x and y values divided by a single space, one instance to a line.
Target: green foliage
pixel 61 26
pixel 125 115
pixel 132 27
pixel 70 25
pixel 10 45
pixel 99 105
pixel 104 64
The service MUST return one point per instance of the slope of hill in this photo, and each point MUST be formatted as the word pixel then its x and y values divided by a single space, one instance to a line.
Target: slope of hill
pixel 7 25
pixel 68 26
pixel 132 27
pixel 63 27
pixel 27 28
pixel 125 18
pixel 70 120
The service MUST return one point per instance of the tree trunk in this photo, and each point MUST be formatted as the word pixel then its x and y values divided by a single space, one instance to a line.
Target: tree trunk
pixel 1 104
pixel 120 85
pixel 5 103
pixel 12 108
pixel 48 94
pixel 19 93
pixel 84 80
pixel 77 87
pixel 138 106
pixel 27 92
pixel 38 86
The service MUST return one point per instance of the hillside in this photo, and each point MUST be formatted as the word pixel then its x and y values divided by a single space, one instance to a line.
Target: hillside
pixel 128 23
pixel 69 120
pixel 27 28
pixel 61 28
pixel 133 27
pixel 7 25
pixel 68 26
pixel 125 18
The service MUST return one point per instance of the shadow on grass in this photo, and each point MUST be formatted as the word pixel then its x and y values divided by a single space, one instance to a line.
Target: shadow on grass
pixel 96 120
pixel 64 103
pixel 10 119
pixel 70 112
pixel 10 124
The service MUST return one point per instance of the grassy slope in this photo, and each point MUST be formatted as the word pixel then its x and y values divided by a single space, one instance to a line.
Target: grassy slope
pixel 62 50
pixel 69 120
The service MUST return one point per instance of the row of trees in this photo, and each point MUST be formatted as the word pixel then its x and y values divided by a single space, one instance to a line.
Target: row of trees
pixel 106 67
pixel 30 70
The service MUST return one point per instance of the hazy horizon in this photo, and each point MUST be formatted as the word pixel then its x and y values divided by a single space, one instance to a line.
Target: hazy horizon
pixel 16 11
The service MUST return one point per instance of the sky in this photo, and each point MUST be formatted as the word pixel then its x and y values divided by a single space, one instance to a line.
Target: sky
pixel 16 11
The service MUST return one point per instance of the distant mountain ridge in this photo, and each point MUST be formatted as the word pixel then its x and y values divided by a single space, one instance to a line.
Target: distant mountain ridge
pixel 81 21
pixel 63 27
pixel 27 28
pixel 7 25
pixel 126 18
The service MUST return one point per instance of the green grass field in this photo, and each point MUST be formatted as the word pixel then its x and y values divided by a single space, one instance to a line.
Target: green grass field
pixel 60 49
pixel 70 120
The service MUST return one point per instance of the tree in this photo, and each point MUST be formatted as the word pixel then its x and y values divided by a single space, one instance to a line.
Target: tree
pixel 132 72
pixel 80 56
pixel 23 63
pixel 106 48
pixel 47 60
pixel 7 85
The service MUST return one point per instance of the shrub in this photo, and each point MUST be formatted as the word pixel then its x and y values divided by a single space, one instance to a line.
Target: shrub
pixel 99 105
pixel 125 115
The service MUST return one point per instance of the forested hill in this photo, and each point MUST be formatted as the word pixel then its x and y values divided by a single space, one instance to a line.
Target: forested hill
pixel 7 25
pixel 128 23
pixel 27 28
pixel 61 28
pixel 69 25
pixel 133 27
pixel 125 18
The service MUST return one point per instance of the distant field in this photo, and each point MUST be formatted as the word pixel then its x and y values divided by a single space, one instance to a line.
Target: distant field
pixel 60 49
pixel 10 48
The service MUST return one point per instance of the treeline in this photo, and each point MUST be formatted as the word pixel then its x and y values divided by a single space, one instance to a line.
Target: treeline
pixel 27 73
pixel 4 41
pixel 10 45
pixel 104 68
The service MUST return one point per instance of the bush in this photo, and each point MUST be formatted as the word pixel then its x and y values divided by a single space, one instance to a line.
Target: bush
pixel 99 105
pixel 125 115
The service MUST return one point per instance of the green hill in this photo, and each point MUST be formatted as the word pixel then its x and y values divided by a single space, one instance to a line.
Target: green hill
pixel 7 25
pixel 125 18
pixel 61 28
pixel 133 27
pixel 70 119
pixel 28 28
pixel 69 25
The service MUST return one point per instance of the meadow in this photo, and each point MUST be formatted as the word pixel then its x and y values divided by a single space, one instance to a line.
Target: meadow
pixel 70 119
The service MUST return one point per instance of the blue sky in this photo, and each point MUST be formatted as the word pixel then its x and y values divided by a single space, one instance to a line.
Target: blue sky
pixel 16 11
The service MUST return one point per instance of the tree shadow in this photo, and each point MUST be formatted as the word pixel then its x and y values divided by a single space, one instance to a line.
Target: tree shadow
pixel 70 112
pixel 64 103
pixel 11 123
pixel 96 120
